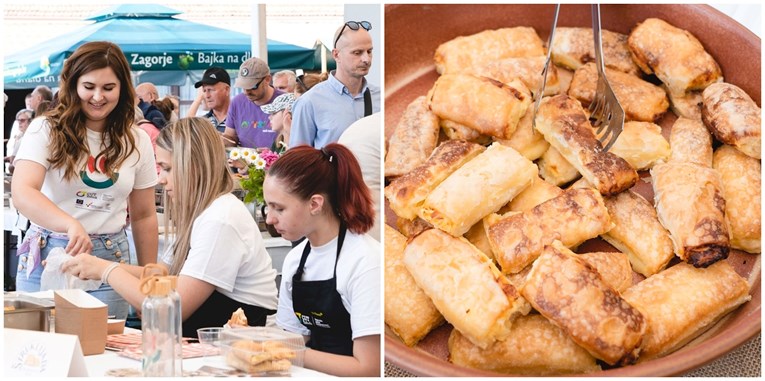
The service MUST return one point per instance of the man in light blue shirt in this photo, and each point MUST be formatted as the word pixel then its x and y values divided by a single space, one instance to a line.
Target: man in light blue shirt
pixel 321 115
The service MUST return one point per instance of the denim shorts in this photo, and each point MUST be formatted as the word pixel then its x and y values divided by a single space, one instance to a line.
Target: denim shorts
pixel 112 247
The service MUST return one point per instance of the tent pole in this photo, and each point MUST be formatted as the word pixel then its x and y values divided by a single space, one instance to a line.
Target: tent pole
pixel 259 42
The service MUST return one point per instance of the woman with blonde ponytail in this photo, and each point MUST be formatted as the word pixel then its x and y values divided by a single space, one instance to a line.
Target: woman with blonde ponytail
pixel 330 288
pixel 218 254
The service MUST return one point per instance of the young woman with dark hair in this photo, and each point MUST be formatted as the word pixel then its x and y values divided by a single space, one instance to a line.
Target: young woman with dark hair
pixel 330 288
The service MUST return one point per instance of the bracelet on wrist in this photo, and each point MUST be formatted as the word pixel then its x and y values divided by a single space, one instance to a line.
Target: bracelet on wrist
pixel 108 270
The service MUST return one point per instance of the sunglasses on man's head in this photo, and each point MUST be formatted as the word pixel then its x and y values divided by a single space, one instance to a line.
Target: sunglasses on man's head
pixel 354 25
pixel 257 85
pixel 300 82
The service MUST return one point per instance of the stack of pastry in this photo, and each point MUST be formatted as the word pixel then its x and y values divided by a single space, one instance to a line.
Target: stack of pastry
pixel 490 234
pixel 257 357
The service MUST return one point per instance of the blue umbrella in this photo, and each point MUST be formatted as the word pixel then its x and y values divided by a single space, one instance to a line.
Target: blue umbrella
pixel 152 40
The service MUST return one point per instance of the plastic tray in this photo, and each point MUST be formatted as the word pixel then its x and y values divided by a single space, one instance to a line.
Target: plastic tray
pixel 262 350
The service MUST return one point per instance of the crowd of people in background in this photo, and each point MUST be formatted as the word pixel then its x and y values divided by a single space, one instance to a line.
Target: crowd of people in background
pixel 322 192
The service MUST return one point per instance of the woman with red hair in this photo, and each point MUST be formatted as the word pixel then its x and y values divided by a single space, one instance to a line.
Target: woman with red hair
pixel 330 288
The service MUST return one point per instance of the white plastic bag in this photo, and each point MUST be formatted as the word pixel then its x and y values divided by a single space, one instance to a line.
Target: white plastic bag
pixel 54 279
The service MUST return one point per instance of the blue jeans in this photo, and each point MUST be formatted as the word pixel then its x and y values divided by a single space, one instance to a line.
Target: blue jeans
pixel 112 247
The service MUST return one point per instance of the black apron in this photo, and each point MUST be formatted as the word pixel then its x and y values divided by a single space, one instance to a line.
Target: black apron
pixel 217 310
pixel 318 306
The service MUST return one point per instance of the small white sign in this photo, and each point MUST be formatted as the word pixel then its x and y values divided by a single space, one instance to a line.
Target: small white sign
pixel 42 354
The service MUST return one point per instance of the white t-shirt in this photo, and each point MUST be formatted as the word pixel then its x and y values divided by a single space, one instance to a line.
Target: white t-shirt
pixel 98 202
pixel 228 252
pixel 358 282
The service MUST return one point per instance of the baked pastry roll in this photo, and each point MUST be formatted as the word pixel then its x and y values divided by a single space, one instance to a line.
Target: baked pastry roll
pixel 573 217
pixel 574 47
pixel 456 131
pixel 741 179
pixel 641 100
pixel 527 141
pixel 681 302
pixel 406 193
pixel 674 55
pixel 481 186
pixel 408 311
pixel 410 228
pixel 690 142
pixel 483 104
pixel 690 204
pixel 414 139
pixel 572 294
pixel 685 105
pixel 538 192
pixel 527 69
pixel 535 347
pixel 464 285
pixel 641 144
pixel 564 125
pixel 555 169
pixel 464 52
pixel 238 319
pixel 613 267
pixel 477 237
pixel 733 117
pixel 638 233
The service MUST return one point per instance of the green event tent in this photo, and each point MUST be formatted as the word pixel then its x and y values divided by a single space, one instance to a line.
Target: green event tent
pixel 159 47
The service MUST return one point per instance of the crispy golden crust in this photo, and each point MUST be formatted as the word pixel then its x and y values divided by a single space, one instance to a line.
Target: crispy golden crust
pixel 477 236
pixel 690 142
pixel 733 117
pixel 573 217
pixel 538 192
pixel 464 52
pixel 535 347
pixel 555 169
pixel 414 139
pixel 674 55
pixel 406 193
pixel 527 69
pixel 681 302
pixel 408 311
pixel 457 131
pixel 638 233
pixel 690 204
pixel 641 100
pixel 564 125
pixel 572 294
pixel 686 105
pixel 573 47
pixel 464 285
pixel 527 141
pixel 483 104
pixel 641 144
pixel 481 186
pixel 741 179
pixel 410 228
pixel 613 267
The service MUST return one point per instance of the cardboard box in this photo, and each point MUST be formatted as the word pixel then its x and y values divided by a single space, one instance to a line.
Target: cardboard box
pixel 81 314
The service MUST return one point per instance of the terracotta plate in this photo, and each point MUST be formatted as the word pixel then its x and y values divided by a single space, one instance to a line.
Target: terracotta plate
pixel 412 34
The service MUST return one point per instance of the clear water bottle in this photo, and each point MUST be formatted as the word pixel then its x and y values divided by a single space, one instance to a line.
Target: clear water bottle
pixel 160 326
pixel 179 317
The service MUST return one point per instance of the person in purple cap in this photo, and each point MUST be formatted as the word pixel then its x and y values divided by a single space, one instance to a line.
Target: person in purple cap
pixel 246 124
pixel 216 94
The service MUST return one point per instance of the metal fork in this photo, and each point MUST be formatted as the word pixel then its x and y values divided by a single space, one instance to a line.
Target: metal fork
pixel 541 90
pixel 606 113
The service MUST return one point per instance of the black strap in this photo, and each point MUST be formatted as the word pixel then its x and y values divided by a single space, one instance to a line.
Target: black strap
pixel 307 249
pixel 367 102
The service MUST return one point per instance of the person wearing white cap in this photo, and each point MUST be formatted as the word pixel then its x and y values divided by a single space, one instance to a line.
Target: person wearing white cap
pixel 246 123
pixel 321 115
pixel 280 114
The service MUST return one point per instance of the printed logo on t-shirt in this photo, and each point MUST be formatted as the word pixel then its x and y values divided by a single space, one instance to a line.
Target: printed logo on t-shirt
pixel 93 201
pixel 94 174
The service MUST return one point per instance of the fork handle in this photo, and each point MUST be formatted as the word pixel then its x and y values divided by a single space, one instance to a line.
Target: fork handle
pixel 597 37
